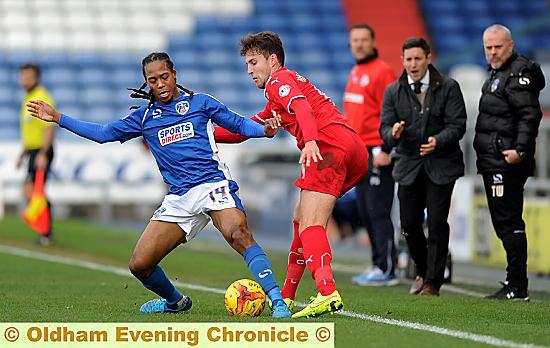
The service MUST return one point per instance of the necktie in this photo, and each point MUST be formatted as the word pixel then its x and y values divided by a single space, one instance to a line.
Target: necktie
pixel 417 87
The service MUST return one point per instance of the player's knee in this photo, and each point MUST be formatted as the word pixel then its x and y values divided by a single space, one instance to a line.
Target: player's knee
pixel 139 268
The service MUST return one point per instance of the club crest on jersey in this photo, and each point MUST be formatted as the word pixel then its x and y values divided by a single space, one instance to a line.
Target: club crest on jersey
pixel 182 107
pixel 494 85
pixel 284 90
pixel 176 133
pixel 365 80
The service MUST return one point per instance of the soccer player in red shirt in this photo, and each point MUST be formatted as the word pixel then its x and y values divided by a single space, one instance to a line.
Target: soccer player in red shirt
pixel 333 159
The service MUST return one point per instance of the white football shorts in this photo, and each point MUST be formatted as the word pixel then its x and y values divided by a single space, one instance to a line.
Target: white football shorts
pixel 190 210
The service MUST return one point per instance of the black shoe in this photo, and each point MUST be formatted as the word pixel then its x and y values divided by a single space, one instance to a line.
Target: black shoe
pixel 45 240
pixel 509 292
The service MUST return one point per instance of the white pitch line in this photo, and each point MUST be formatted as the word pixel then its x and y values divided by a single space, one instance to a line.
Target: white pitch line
pixel 490 340
pixel 494 341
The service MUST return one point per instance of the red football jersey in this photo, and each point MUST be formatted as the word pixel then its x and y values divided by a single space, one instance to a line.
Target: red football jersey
pixel 286 85
pixel 363 98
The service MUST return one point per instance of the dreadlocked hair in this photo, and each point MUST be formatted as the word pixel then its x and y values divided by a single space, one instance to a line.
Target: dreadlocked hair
pixel 141 93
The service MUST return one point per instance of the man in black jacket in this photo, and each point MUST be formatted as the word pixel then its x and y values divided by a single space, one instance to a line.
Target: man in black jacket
pixel 506 129
pixel 424 117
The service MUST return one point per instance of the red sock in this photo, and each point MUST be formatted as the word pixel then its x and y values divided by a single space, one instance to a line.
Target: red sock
pixel 295 267
pixel 316 250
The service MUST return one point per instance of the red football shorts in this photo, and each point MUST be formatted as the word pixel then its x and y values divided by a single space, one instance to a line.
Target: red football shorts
pixel 344 164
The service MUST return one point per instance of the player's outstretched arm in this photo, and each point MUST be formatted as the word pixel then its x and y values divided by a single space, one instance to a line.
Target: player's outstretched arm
pixel 89 130
pixel 43 111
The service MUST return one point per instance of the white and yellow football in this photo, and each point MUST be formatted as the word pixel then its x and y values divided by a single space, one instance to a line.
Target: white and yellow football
pixel 245 298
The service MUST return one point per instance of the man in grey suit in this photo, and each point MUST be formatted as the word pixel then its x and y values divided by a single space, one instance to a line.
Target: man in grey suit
pixel 424 118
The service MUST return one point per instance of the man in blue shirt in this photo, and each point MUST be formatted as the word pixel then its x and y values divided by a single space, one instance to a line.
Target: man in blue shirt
pixel 178 127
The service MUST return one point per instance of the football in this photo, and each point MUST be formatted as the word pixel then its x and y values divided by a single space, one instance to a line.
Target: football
pixel 245 298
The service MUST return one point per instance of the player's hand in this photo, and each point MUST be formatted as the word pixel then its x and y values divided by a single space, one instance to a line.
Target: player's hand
pixel 382 159
pixel 310 152
pixel 397 129
pixel 43 111
pixel 429 147
pixel 511 156
pixel 271 126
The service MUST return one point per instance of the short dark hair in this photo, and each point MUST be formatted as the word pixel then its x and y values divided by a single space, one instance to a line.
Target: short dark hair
pixel 416 42
pixel 31 66
pixel 265 43
pixel 363 26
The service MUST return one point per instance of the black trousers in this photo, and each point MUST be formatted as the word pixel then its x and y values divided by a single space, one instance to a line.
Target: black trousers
pixel 429 254
pixel 504 193
pixel 374 202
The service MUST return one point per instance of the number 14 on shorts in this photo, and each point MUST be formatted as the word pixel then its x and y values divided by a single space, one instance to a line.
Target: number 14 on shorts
pixel 219 195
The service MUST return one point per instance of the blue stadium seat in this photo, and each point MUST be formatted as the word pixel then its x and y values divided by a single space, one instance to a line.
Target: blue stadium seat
pixel 306 41
pixel 7 95
pixel 123 77
pixel 304 22
pixel 336 41
pixel 65 94
pixel 526 19
pixel 506 8
pixel 321 78
pixel 329 7
pixel 184 59
pixel 120 98
pixel 181 42
pixel 95 96
pixel 315 59
pixel 86 59
pixel 433 8
pixel 190 77
pixel 16 58
pixel 221 58
pixel 100 114
pixel 92 83
pixel 59 75
pixel 341 59
pixel 476 25
pixel 239 27
pixel 71 108
pixel 93 76
pixel 474 8
pixel 9 134
pixel 451 43
pixel 274 7
pixel 9 117
pixel 9 76
pixel 121 59
pixel 447 24
pixel 535 7
pixel 55 60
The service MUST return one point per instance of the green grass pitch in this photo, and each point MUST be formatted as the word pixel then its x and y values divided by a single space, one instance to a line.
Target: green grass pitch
pixel 34 290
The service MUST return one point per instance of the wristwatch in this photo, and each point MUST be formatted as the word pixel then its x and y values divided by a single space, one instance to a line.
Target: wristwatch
pixel 521 154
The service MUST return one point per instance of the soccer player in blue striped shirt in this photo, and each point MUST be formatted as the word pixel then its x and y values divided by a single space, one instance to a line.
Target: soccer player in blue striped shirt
pixel 178 126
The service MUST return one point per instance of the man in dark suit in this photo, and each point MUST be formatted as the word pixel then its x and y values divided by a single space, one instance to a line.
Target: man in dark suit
pixel 424 118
